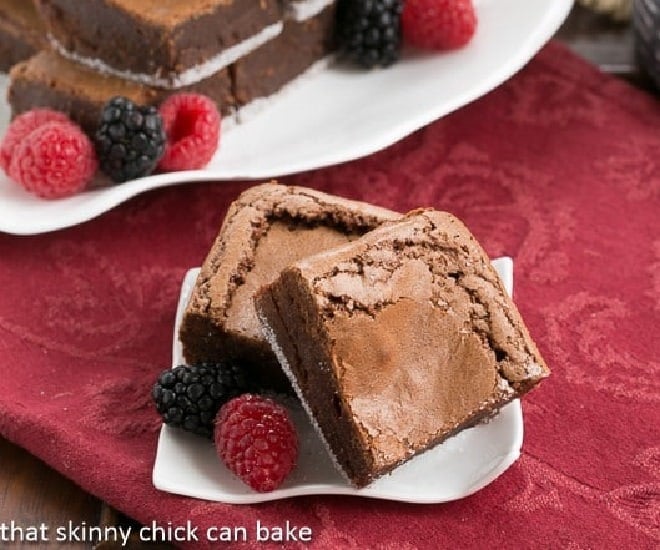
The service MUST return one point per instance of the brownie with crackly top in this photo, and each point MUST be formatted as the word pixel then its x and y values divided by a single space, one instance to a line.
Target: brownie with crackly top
pixel 398 340
pixel 267 228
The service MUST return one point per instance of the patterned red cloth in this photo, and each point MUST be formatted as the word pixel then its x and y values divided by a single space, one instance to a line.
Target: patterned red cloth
pixel 559 168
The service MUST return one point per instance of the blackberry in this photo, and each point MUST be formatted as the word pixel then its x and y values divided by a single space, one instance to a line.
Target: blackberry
pixel 130 139
pixel 189 397
pixel 369 31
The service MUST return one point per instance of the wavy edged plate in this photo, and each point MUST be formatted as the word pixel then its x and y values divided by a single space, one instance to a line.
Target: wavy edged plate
pixel 188 465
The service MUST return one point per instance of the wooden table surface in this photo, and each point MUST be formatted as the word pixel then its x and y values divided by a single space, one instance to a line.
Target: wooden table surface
pixel 31 493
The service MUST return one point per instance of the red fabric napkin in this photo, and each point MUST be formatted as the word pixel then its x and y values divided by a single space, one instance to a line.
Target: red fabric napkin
pixel 559 168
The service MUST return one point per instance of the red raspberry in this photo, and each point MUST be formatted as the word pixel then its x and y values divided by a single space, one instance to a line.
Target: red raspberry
pixel 438 24
pixel 257 441
pixel 21 127
pixel 192 125
pixel 55 160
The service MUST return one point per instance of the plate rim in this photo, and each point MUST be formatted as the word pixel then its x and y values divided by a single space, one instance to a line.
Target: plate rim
pixel 326 489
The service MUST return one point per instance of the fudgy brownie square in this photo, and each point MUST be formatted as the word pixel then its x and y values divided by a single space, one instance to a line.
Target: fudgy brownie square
pixel 49 80
pixel 398 340
pixel 267 228
pixel 156 38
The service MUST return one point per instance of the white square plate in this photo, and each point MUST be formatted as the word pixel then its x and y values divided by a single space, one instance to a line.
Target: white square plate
pixel 188 465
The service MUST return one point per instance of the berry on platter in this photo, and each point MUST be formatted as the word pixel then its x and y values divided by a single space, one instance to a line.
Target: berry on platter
pixel 55 160
pixel 189 397
pixel 130 139
pixel 192 124
pixel 438 24
pixel 369 31
pixel 22 126
pixel 256 439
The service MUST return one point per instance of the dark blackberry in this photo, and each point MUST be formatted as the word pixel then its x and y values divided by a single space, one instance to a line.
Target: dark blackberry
pixel 189 397
pixel 130 139
pixel 369 31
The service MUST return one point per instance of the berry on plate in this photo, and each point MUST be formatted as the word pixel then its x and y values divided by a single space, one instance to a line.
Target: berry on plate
pixel 189 397
pixel 192 124
pixel 438 24
pixel 257 441
pixel 55 160
pixel 21 127
pixel 369 31
pixel 130 139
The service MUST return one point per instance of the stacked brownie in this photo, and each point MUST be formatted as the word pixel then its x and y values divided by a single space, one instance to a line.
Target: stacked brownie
pixel 395 331
pixel 398 341
pixel 268 228
pixel 231 50
pixel 22 32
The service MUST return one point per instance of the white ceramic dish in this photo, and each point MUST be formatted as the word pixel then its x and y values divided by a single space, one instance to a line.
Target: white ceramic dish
pixel 331 116
pixel 188 465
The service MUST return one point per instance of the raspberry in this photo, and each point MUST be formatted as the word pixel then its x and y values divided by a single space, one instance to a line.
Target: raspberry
pixel 21 127
pixel 257 441
pixel 192 124
pixel 129 140
pixel 55 160
pixel 438 24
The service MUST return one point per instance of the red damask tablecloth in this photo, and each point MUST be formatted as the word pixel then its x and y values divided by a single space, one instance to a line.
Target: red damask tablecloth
pixel 559 168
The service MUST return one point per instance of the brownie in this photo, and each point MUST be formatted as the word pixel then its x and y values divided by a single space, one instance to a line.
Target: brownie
pixel 21 32
pixel 155 38
pixel 49 80
pixel 398 340
pixel 301 44
pixel 267 228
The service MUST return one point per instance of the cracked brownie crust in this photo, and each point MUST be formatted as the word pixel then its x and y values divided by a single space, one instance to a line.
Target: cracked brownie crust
pixel 267 228
pixel 399 340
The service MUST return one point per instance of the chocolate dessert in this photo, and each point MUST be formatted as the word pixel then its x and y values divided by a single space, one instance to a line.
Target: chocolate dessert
pixel 22 32
pixel 398 340
pixel 80 75
pixel 49 80
pixel 167 43
pixel 267 228
pixel 269 68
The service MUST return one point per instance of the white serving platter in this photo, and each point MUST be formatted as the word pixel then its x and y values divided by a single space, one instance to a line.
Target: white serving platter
pixel 330 116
